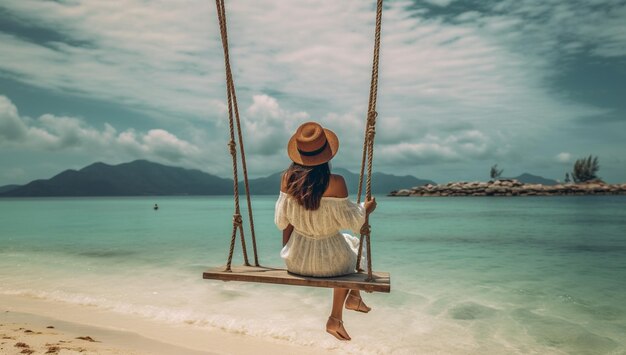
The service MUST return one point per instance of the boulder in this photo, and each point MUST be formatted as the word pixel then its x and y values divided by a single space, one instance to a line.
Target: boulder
pixel 592 187
pixel 403 192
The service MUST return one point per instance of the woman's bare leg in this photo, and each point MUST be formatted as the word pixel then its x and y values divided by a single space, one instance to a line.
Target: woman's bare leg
pixel 339 297
pixel 355 302
pixel 335 321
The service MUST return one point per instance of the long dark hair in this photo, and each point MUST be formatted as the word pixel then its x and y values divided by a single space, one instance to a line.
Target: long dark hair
pixel 307 184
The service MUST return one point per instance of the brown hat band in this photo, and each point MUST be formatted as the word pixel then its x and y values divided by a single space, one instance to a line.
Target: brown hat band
pixel 313 152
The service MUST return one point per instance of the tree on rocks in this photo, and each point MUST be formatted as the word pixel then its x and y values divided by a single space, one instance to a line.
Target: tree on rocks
pixel 567 178
pixel 495 173
pixel 586 169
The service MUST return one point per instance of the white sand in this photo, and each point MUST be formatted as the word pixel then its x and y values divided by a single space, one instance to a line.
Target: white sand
pixel 26 320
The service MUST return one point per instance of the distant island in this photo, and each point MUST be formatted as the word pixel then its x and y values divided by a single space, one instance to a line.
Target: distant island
pixel 145 178
pixel 512 187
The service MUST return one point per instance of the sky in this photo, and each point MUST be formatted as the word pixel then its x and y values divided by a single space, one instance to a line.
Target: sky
pixel 529 85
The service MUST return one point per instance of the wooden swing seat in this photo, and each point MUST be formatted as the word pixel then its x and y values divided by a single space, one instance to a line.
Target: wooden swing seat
pixel 356 281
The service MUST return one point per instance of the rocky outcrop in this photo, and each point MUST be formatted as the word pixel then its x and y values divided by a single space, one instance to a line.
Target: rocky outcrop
pixel 511 187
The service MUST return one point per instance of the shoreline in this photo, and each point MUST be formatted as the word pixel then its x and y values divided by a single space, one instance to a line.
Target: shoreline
pixel 26 320
pixel 27 333
pixel 510 187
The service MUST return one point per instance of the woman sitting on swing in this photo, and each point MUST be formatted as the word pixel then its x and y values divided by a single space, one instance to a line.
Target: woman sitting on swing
pixel 312 208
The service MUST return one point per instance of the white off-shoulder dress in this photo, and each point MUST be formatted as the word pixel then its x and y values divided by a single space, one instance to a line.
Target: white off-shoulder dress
pixel 316 246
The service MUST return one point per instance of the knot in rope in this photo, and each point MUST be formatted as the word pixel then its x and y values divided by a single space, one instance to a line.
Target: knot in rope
pixel 371 125
pixel 237 220
pixel 232 147
pixel 366 229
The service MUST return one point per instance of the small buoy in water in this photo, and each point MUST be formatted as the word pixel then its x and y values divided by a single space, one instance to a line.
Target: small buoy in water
pixel 156 207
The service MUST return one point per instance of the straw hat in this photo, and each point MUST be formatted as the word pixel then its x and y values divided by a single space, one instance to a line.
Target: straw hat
pixel 312 145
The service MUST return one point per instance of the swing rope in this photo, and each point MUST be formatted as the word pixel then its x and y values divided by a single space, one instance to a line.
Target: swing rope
pixel 232 119
pixel 368 146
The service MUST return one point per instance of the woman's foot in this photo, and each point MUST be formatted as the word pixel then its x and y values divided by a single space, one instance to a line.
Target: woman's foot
pixel 355 303
pixel 335 327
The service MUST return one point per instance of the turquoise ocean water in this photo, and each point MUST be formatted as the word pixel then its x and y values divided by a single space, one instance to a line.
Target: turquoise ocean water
pixel 469 275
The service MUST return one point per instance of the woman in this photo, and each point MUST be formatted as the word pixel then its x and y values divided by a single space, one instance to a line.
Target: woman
pixel 312 208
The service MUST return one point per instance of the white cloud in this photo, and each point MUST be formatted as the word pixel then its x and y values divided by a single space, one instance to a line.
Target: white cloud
pixel 268 126
pixel 159 143
pixel 15 130
pixel 563 157
pixel 432 149
pixel 11 126
pixel 265 107
pixel 69 134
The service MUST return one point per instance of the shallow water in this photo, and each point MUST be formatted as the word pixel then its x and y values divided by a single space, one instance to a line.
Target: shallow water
pixel 469 275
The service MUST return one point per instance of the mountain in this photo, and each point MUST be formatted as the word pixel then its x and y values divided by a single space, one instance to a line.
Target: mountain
pixel 6 188
pixel 269 185
pixel 136 178
pixel 144 178
pixel 535 179
pixel 381 183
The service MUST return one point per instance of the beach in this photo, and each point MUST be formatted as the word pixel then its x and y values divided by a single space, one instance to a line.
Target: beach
pixel 468 276
pixel 28 323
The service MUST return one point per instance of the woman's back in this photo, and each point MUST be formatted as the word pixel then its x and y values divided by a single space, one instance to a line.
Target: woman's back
pixel 335 212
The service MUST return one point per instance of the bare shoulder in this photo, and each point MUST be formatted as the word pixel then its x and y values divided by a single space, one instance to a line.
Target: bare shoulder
pixel 336 187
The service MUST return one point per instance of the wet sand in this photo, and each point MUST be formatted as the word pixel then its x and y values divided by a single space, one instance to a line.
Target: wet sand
pixel 32 326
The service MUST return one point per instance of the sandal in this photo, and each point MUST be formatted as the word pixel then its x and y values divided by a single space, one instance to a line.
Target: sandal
pixel 335 332
pixel 361 307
